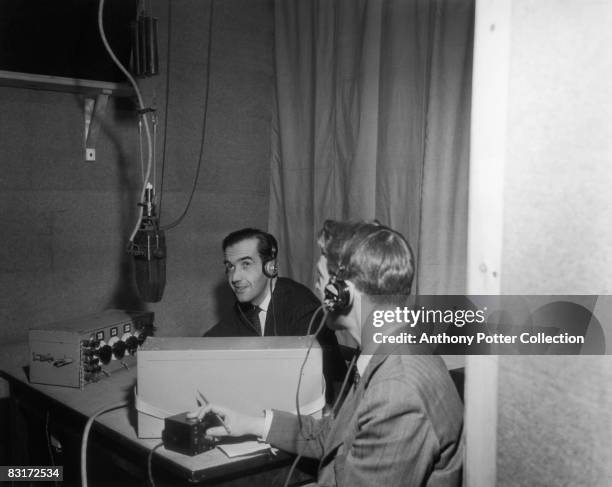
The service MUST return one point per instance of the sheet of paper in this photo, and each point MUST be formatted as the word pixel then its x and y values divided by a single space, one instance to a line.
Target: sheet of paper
pixel 245 448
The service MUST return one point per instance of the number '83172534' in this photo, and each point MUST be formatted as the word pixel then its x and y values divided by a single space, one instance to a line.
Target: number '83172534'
pixel 31 473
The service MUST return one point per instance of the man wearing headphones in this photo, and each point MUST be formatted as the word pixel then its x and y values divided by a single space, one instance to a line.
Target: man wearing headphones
pixel 266 305
pixel 401 420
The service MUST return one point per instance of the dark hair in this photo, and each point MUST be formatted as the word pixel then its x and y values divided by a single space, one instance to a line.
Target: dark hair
pixel 267 248
pixel 377 259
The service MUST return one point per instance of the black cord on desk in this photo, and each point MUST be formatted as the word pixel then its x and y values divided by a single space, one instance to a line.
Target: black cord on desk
pixel 88 426
pixel 150 462
pixel 49 447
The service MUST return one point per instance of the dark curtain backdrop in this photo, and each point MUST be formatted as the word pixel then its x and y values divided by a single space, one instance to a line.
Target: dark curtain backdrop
pixel 372 121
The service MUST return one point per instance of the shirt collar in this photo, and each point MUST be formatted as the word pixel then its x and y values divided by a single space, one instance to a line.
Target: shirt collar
pixel 266 301
pixel 362 363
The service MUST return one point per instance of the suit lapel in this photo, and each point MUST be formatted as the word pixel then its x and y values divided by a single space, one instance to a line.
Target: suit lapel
pixel 344 426
pixel 271 326
pixel 244 320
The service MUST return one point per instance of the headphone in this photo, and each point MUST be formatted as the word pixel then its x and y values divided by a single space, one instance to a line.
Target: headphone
pixel 269 265
pixel 337 293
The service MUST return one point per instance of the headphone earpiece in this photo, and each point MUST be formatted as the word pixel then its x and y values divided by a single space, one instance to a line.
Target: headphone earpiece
pixel 270 269
pixel 338 294
pixel 269 266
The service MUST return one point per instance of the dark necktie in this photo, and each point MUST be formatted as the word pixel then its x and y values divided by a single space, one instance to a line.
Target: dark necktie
pixel 253 317
pixel 356 377
pixel 348 388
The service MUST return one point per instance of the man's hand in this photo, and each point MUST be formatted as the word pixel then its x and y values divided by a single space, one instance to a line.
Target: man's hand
pixel 236 424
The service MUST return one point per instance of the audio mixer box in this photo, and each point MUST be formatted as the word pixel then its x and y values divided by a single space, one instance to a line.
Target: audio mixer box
pixel 86 349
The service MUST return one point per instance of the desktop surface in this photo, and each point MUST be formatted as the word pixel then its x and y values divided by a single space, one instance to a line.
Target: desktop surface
pixel 117 428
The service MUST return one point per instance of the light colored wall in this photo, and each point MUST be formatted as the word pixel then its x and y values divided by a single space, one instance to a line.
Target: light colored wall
pixel 66 222
pixel 543 142
pixel 554 421
pixel 557 198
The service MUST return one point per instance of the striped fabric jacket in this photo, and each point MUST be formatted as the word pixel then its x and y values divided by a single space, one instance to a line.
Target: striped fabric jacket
pixel 401 425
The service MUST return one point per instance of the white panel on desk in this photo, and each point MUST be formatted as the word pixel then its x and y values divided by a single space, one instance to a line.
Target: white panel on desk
pixel 244 374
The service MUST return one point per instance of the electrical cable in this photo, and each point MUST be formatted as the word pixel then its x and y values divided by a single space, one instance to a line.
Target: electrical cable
pixel 344 382
pixel 166 103
pixel 299 457
pixel 292 469
pixel 204 120
pixel 299 384
pixel 272 307
pixel 142 110
pixel 322 307
pixel 88 426
pixel 140 150
pixel 297 391
pixel 49 440
pixel 297 394
pixel 49 447
pixel 150 463
pixel 154 120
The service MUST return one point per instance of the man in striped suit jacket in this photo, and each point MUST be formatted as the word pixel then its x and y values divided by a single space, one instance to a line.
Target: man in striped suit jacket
pixel 401 422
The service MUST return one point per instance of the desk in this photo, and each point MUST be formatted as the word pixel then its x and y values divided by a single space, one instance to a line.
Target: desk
pixel 114 433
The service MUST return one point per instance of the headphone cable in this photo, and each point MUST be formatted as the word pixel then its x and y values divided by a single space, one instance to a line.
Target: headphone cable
pixel 299 456
pixel 299 384
pixel 272 307
pixel 150 463
pixel 297 392
pixel 85 437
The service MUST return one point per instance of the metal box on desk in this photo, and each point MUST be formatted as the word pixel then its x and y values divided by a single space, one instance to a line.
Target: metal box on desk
pixel 87 348
pixel 247 375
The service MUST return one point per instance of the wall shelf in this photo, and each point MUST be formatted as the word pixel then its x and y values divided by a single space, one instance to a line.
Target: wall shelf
pixel 70 85
pixel 96 94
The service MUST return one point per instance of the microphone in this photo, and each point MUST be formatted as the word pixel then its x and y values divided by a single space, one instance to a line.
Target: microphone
pixel 149 251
